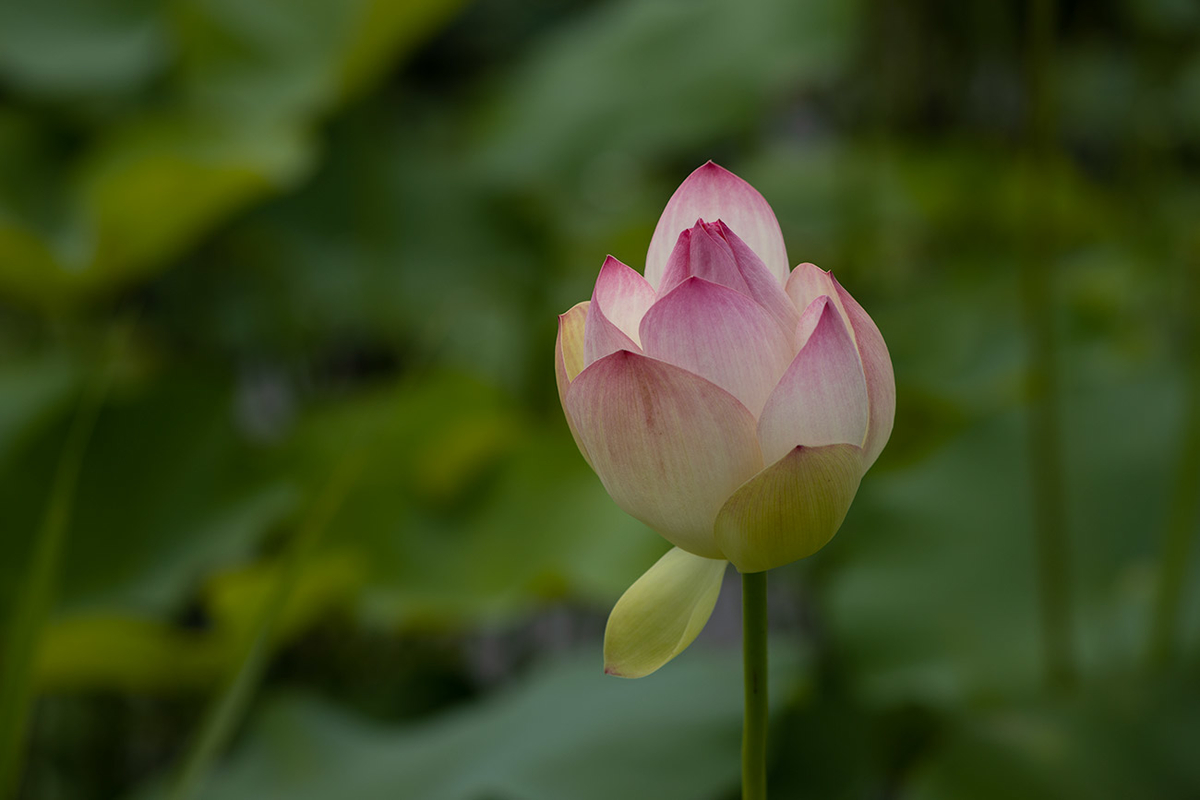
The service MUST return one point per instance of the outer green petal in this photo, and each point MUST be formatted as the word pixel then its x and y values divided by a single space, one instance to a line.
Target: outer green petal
pixel 568 348
pixel 791 509
pixel 568 360
pixel 661 614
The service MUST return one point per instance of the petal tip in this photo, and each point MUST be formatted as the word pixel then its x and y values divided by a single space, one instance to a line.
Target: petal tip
pixel 809 264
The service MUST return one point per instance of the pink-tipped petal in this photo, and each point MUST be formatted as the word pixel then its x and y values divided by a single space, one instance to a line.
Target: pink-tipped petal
pixel 761 284
pixel 700 254
pixel 877 367
pixel 711 193
pixel 668 446
pixel 808 282
pixel 720 335
pixel 710 250
pixel 623 296
pixel 601 337
pixel 805 284
pixel 568 360
pixel 822 398
pixel 791 509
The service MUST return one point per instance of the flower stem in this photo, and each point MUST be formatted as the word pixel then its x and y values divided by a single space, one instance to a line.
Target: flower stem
pixel 1037 296
pixel 1181 521
pixel 229 707
pixel 754 661
pixel 32 606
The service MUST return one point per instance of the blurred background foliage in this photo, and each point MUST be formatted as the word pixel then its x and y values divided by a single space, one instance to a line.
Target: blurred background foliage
pixel 279 241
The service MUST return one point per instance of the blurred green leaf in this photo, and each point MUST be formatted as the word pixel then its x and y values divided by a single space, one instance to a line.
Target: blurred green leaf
pixel 935 595
pixel 236 125
pixel 33 391
pixel 567 731
pixel 115 649
pixel 466 507
pixel 64 48
pixel 714 67
pixel 168 490
pixel 1122 740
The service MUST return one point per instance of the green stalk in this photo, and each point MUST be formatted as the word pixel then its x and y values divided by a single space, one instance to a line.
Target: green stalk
pixel 1181 521
pixel 229 706
pixel 754 665
pixel 32 606
pixel 1037 296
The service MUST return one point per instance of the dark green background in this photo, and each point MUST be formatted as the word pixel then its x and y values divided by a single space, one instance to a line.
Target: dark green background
pixel 296 234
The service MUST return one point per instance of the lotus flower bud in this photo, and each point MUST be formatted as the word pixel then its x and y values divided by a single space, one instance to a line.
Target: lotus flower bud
pixel 730 404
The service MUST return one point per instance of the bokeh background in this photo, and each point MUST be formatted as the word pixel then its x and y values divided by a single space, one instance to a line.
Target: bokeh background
pixel 287 505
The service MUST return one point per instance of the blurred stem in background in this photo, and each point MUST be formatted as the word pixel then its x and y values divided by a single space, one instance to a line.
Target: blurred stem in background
pixel 754 665
pixel 1180 530
pixel 33 604
pixel 1037 298
pixel 229 706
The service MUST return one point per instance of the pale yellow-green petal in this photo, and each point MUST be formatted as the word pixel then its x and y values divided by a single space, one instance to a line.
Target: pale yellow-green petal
pixel 568 361
pixel 791 509
pixel 661 613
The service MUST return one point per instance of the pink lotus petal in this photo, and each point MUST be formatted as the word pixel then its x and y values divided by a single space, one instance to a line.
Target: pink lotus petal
pixel 761 284
pixel 805 284
pixel 712 193
pixel 877 367
pixel 701 254
pixel 601 337
pixel 720 335
pixel 668 445
pixel 568 360
pixel 808 282
pixel 710 250
pixel 791 509
pixel 623 296
pixel 822 398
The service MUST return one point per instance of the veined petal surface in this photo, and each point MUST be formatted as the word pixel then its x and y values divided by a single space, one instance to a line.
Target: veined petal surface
pixel 822 398
pixel 713 193
pixel 807 282
pixel 698 253
pixel 623 295
pixel 668 446
pixel 791 509
pixel 568 360
pixel 661 613
pixel 601 337
pixel 761 283
pixel 877 368
pixel 712 251
pixel 719 334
